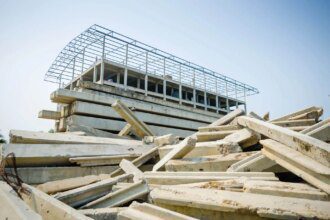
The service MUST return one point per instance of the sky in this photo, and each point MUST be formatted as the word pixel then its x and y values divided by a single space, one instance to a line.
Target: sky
pixel 281 47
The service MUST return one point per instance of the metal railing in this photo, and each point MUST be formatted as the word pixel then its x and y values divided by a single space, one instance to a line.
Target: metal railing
pixel 98 42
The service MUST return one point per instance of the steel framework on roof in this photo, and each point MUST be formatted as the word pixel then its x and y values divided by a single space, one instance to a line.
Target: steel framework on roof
pixel 98 42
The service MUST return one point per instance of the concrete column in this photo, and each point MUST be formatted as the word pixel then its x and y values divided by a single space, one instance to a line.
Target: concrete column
pixel 180 86
pixel 125 73
pixel 164 81
pixel 102 72
pixel 95 73
pixel 74 66
pixel 146 77
pixel 194 89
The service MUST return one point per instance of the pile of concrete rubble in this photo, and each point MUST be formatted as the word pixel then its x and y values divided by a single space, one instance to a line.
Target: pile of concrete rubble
pixel 239 167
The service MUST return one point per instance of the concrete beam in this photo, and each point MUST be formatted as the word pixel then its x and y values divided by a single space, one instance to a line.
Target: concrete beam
pixel 206 163
pixel 12 207
pixel 138 126
pixel 120 197
pixel 143 211
pixel 256 116
pixel 49 207
pixel 115 125
pixel 48 114
pixel 312 171
pixel 174 178
pixel 168 139
pixel 53 187
pixel 212 136
pixel 220 204
pixel 68 96
pixel 59 154
pixel 103 111
pixel 102 160
pixel 85 194
pixel 219 128
pixel 129 168
pixel 321 133
pixel 228 118
pixel 93 131
pixel 285 189
pixel 178 151
pixel 312 147
pixel 309 115
pixel 294 123
pixel 316 126
pixel 206 149
pixel 244 137
pixel 294 114
pixel 125 131
pixel 32 137
pixel 103 213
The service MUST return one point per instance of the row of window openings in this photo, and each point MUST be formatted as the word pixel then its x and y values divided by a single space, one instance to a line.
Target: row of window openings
pixel 158 88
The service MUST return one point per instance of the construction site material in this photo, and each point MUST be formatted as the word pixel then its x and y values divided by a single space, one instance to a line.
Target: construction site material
pixel 126 130
pixel 139 127
pixel 227 118
pixel 276 188
pixel 206 149
pixel 218 128
pixel 294 123
pixel 321 133
pixel 12 207
pixel 92 131
pixel 102 160
pixel 70 183
pixel 168 139
pixel 220 204
pixel 85 194
pixel 129 168
pixel 48 114
pixel 178 151
pixel 212 136
pixel 49 207
pixel 206 163
pixel 316 126
pixel 266 116
pixel 312 147
pixel 174 178
pixel 102 213
pixel 299 113
pixel 142 211
pixel 312 171
pixel 256 116
pixel 60 154
pixel 120 197
pixel 30 137
pixel 244 137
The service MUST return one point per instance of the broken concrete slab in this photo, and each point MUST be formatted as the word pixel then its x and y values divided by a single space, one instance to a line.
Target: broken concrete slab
pixel 12 207
pixel 49 207
pixel 48 114
pixel 143 211
pixel 312 147
pixel 120 197
pixel 178 151
pixel 85 194
pixel 220 204
pixel 312 171
pixel 206 163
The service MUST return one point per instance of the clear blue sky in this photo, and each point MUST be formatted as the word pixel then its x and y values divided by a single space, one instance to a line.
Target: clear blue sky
pixel 280 47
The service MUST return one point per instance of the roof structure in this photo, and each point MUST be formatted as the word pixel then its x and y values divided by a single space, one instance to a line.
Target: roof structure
pixel 98 42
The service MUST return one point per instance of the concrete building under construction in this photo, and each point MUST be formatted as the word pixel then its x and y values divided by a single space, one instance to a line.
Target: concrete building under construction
pixel 105 63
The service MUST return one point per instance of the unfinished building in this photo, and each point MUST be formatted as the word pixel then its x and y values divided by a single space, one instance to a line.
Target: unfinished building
pixel 101 62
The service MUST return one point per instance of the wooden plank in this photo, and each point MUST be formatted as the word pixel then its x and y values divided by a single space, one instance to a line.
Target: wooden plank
pixel 312 171
pixel 143 211
pixel 85 194
pixel 32 137
pixel 69 96
pixel 228 118
pixel 178 151
pixel 139 127
pixel 48 114
pixel 120 197
pixel 59 154
pixel 312 147
pixel 206 163
pixel 12 207
pixel 102 160
pixel 49 207
pixel 221 204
